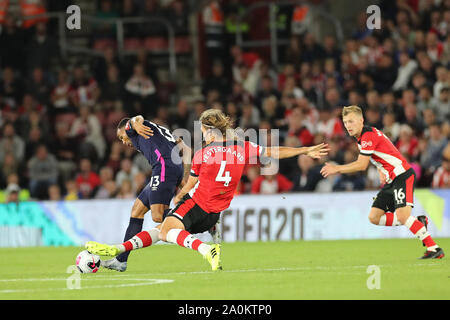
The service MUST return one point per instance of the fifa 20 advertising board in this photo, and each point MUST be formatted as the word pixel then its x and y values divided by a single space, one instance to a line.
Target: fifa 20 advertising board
pixel 280 217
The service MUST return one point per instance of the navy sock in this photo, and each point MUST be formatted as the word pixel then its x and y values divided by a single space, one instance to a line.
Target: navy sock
pixel 133 229
pixel 166 212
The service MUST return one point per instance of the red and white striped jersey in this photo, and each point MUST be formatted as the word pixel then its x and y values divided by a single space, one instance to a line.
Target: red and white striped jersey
pixel 383 154
pixel 441 178
pixel 219 167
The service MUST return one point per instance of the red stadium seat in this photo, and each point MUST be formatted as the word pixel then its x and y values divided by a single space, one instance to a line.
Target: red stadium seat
pixel 156 43
pixel 182 45
pixel 132 44
pixel 102 44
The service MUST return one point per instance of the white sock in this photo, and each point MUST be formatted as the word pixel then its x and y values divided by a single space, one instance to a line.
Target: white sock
pixel 393 216
pixel 204 248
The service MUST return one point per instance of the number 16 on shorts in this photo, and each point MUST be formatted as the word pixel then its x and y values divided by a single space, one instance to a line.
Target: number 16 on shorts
pixel 399 195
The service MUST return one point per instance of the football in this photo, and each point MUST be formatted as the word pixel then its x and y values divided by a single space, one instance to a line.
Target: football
pixel 87 262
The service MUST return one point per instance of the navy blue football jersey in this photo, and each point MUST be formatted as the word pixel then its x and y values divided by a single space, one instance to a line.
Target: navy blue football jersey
pixel 158 148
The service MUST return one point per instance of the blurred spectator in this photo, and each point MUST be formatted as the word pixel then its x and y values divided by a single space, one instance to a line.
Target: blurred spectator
pixel 217 81
pixel 87 180
pixel 151 9
pixel 309 175
pixel 297 128
pixel 239 95
pixel 105 12
pixel 115 156
pixel 372 117
pixel 407 142
pixel 12 193
pixel 288 166
pixel 54 192
pixel 311 49
pixel 103 63
pixel 176 14
pixel 11 143
pixel 248 77
pixel 270 184
pixel 12 39
pixel 272 111
pixel 329 125
pixel 442 80
pixel 405 71
pixel 87 129
pixel 107 187
pixel 389 105
pixel 141 93
pixel 425 100
pixel 38 87
pixel 127 171
pixel 125 190
pixel 250 117
pixel 443 104
pixel 42 171
pixel 385 73
pixel 180 117
pixel 34 140
pixel 139 182
pixel 64 147
pixel 391 128
pixel 413 117
pixel 9 167
pixel 214 28
pixel 10 88
pixel 72 192
pixel 441 178
pixel 293 53
pixel 41 49
pixel 84 89
pixel 431 158
pixel 60 95
pixel 112 90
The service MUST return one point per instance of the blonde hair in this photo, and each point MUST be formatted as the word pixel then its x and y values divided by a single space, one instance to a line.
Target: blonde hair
pixel 216 119
pixel 351 109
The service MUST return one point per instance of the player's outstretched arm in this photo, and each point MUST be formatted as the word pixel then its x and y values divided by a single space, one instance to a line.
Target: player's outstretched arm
pixel 314 152
pixel 360 164
pixel 191 182
pixel 137 123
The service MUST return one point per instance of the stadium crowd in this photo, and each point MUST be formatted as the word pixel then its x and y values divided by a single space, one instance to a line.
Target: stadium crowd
pixel 58 125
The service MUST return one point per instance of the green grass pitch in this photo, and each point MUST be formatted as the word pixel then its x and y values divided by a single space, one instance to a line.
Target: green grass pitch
pixel 262 270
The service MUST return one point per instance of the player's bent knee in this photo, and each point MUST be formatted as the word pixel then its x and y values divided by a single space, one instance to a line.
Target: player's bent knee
pixel 374 219
pixel 157 216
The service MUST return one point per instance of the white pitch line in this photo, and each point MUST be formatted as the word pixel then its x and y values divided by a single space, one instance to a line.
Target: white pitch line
pixel 274 269
pixel 148 283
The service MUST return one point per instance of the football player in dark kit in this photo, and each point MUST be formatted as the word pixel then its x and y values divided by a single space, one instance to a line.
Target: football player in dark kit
pixel 157 144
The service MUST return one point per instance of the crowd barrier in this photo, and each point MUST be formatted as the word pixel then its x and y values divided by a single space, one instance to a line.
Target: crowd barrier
pixel 292 216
